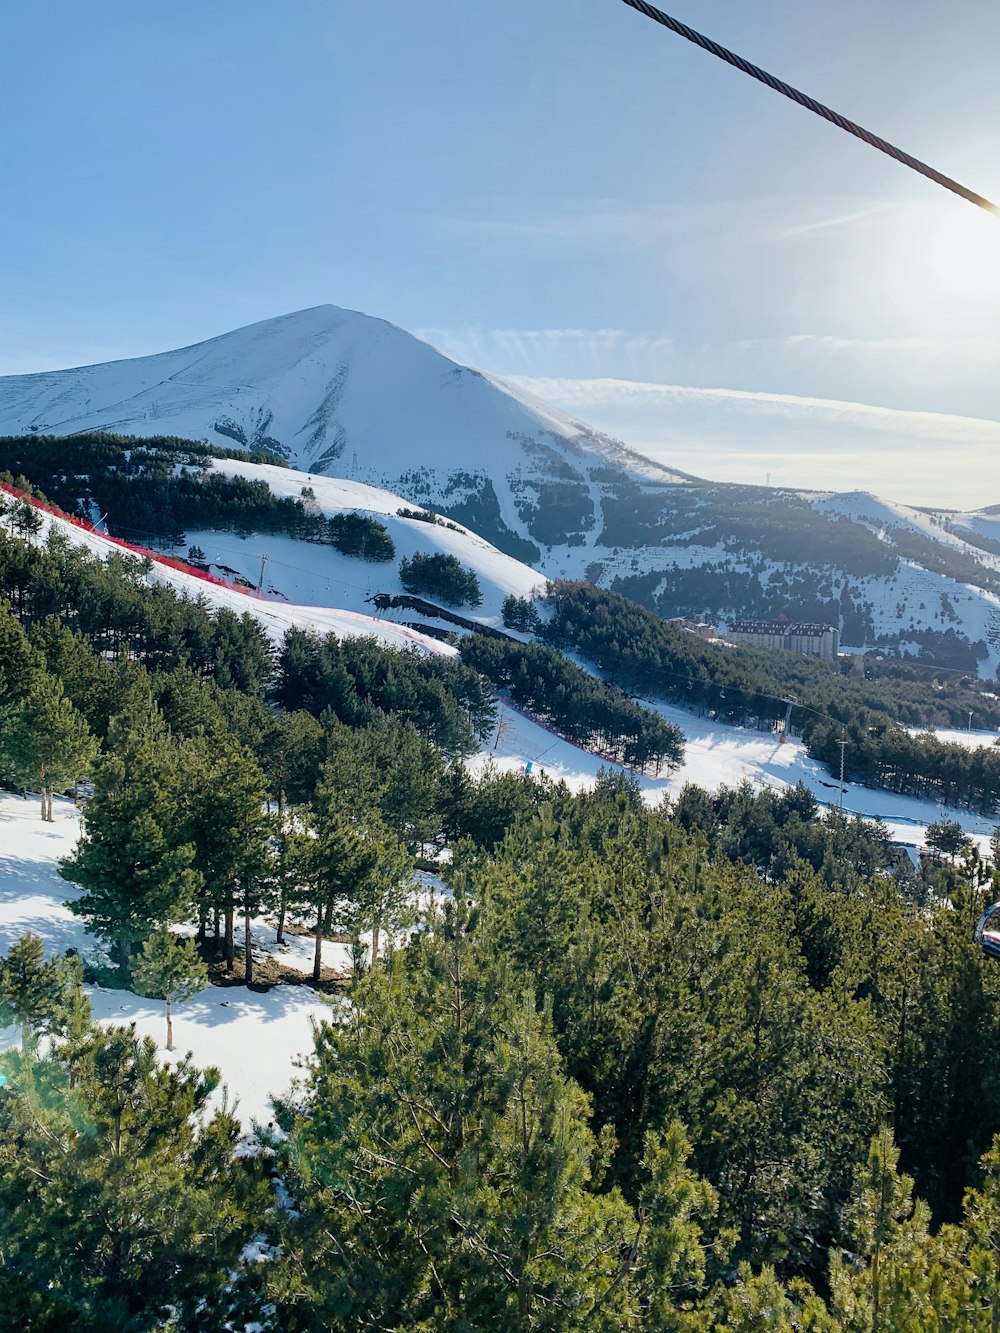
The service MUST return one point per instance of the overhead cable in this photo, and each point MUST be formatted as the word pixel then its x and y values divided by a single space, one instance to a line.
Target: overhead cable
pixel 810 103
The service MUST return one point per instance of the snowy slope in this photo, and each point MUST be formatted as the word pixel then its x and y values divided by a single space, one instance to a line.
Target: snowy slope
pixel 309 573
pixel 276 616
pixel 341 394
pixel 330 390
pixel 255 1039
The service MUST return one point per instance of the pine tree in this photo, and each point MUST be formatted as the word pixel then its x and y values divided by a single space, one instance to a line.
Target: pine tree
pixel 17 656
pixel 335 865
pixel 887 1284
pixel 123 1205
pixel 981 1235
pixel 169 969
pixel 381 899
pixel 48 744
pixel 39 995
pixel 226 821
pixel 439 1128
pixel 132 861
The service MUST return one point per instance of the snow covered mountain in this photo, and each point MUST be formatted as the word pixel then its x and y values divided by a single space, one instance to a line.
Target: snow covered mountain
pixel 334 391
pixel 339 394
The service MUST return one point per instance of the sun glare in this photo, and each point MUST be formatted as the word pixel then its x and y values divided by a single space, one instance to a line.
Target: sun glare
pixel 963 254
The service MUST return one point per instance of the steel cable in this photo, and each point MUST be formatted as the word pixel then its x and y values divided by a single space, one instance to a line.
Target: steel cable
pixel 810 103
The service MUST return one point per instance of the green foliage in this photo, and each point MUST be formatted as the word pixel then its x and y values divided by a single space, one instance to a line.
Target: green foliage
pixel 151 489
pixel 126 620
pixel 47 744
pixel 122 1205
pixel 440 1129
pixel 946 836
pixel 441 576
pixel 486 808
pixel 521 614
pixel 357 680
pixel 169 969
pixel 361 535
pixel 633 1076
pixel 589 712
pixel 132 861
pixel 41 996
pixel 641 653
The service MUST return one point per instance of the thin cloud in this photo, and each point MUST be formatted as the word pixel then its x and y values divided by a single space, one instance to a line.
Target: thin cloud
pixel 516 348
pixel 578 394
pixel 829 342
pixel 598 224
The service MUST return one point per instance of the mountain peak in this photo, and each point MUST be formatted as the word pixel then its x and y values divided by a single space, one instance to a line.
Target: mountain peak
pixel 336 391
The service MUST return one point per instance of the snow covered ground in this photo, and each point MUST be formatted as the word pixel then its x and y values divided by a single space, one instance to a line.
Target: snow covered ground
pixel 331 390
pixel 720 755
pixel 971 740
pixel 309 574
pixel 276 616
pixel 255 1039
pixel 258 1039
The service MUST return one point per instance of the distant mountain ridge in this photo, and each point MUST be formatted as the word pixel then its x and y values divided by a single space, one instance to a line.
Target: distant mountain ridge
pixel 339 393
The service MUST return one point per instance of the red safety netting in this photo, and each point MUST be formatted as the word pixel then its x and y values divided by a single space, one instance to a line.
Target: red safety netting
pixel 170 561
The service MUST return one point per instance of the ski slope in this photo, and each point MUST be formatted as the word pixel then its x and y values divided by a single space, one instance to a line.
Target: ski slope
pixel 276 616
pixel 311 574
pixel 716 754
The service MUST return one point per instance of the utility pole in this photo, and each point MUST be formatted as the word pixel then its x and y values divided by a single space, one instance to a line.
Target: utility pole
pixel 263 561
pixel 843 747
pixel 791 702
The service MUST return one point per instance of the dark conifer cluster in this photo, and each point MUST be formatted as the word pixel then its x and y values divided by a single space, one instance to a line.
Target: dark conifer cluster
pixel 873 712
pixel 721 1064
pixel 647 1070
pixel 589 712
pixel 150 491
pixel 440 576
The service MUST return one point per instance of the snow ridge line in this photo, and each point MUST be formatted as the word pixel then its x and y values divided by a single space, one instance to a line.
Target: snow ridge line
pixel 171 562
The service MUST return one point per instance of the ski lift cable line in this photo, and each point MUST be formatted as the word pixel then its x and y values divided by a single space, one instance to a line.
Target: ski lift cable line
pixel 810 104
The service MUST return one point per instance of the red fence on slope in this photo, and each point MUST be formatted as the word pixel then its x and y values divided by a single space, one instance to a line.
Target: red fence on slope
pixel 181 566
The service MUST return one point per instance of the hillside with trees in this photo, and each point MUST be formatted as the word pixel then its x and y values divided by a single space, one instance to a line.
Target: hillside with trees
pixel 719 1064
pixel 642 654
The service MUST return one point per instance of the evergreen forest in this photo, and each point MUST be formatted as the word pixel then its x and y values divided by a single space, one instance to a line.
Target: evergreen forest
pixel 720 1064
pixel 150 491
pixel 875 712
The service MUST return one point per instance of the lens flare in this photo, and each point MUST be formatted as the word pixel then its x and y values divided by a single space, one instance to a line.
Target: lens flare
pixel 963 255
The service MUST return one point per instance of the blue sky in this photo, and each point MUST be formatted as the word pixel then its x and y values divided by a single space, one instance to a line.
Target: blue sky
pixel 555 191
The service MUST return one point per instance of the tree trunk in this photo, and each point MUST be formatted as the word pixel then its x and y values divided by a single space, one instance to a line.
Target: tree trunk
pixel 170 1026
pixel 318 954
pixel 49 795
pixel 280 937
pixel 202 922
pixel 43 803
pixel 216 937
pixel 375 935
pixel 328 918
pixel 123 957
pixel 247 947
pixel 230 944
